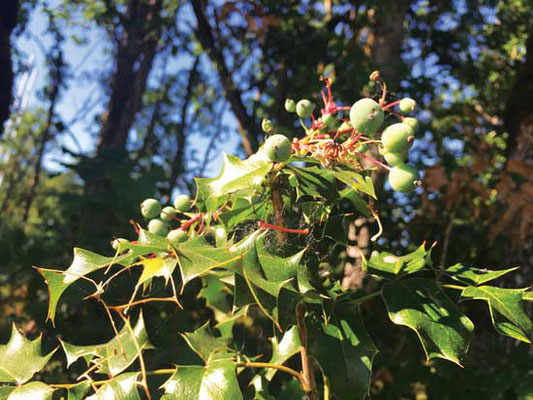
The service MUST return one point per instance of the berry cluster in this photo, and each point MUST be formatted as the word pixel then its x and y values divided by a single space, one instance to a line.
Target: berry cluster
pixel 332 139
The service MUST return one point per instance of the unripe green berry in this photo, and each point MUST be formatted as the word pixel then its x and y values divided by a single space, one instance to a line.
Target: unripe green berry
pixel 117 242
pixel 182 203
pixel 329 120
pixel 158 227
pixel 277 148
pixel 395 138
pixel 403 178
pixel 366 116
pixel 176 236
pixel 395 158
pixel 290 105
pixel 304 108
pixel 407 105
pixel 167 213
pixel 266 125
pixel 150 208
pixel 412 122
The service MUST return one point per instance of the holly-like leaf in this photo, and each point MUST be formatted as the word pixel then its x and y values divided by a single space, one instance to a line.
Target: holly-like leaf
pixel 343 349
pixel 157 267
pixel 474 276
pixel 422 305
pixel 277 269
pixel 84 263
pixel 217 380
pixel 32 391
pixel 236 176
pixel 356 200
pixel 122 387
pixel 203 341
pixel 506 310
pixel 21 358
pixel 78 392
pixel 243 209
pixel 283 350
pixel 116 355
pixel 388 265
pixel 196 257
pixel 314 181
pixel 360 183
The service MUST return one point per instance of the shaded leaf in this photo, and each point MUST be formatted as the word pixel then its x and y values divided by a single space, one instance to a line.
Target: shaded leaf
pixel 204 342
pixel 360 183
pixel 474 276
pixel 506 310
pixel 315 181
pixel 21 358
pixel 276 268
pixel 343 349
pixel 422 305
pixel 78 391
pixel 116 355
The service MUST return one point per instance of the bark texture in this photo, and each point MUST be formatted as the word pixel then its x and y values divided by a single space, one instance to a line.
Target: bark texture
pixel 8 21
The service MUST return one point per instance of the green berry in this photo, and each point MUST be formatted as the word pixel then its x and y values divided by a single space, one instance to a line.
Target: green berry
pixel 395 138
pixel 366 116
pixel 290 105
pixel 329 120
pixel 176 236
pixel 158 227
pixel 150 208
pixel 266 125
pixel 304 108
pixel 403 178
pixel 407 105
pixel 277 148
pixel 117 242
pixel 412 122
pixel 167 213
pixel 395 158
pixel 182 203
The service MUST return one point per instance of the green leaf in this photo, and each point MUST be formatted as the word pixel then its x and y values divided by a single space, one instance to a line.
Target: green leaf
pixel 204 342
pixel 315 181
pixel 356 200
pixel 474 276
pixel 506 310
pixel 343 349
pixel 78 391
pixel 116 355
pixel 123 387
pixel 276 268
pixel 84 263
pixel 422 305
pixel 283 350
pixel 215 381
pixel 157 267
pixel 21 358
pixel 388 265
pixel 236 176
pixel 356 181
pixel 242 210
pixel 196 257
pixel 32 391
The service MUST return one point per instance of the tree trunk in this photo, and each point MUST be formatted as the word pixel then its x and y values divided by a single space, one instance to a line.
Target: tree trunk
pixel 8 21
pixel 248 127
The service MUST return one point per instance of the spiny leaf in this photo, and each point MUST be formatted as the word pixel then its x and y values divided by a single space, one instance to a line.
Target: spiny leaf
pixel 21 358
pixel 343 349
pixel 283 350
pixel 197 257
pixel 345 173
pixel 154 267
pixel 32 391
pixel 276 268
pixel 116 355
pixel 388 265
pixel 216 380
pixel 78 391
pixel 243 209
pixel 84 263
pixel 122 387
pixel 474 276
pixel 506 310
pixel 421 305
pixel 314 181
pixel 204 342
pixel 236 176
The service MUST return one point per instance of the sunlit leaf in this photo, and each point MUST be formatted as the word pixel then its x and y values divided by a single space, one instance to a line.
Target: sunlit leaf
pixel 474 276
pixel 315 181
pixel 204 342
pixel 355 180
pixel 122 387
pixel 422 305
pixel 21 358
pixel 32 391
pixel 388 265
pixel 506 310
pixel 287 347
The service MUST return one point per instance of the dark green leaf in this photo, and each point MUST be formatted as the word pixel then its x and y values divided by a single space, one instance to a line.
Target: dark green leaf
pixel 474 276
pixel 204 342
pixel 358 182
pixel 422 305
pixel 21 358
pixel 315 181
pixel 79 391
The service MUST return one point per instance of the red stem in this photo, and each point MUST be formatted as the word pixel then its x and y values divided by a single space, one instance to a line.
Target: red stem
pixel 386 107
pixel 135 226
pixel 379 163
pixel 190 222
pixel 263 224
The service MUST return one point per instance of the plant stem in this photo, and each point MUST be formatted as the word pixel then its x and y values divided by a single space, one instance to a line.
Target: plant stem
pixel 283 368
pixel 277 204
pixel 456 287
pixel 308 377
